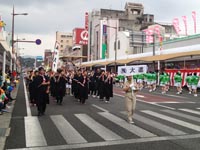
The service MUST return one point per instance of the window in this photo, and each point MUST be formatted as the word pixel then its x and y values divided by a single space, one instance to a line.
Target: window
pixel 67 41
pixel 118 44
pixel 61 46
pixel 63 36
pixel 115 45
pixel 61 41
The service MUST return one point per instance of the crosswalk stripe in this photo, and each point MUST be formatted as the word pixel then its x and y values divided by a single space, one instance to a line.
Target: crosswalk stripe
pixel 33 132
pixel 131 128
pixel 193 118
pixel 99 129
pixel 157 125
pixel 162 127
pixel 68 132
pixel 191 111
pixel 173 120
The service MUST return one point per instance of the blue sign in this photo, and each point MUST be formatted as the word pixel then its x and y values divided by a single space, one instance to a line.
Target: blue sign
pixel 39 58
pixel 38 41
pixel 104 30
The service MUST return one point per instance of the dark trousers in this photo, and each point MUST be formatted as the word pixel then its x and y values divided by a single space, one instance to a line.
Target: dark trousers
pixel 82 101
pixel 59 99
pixel 1 106
pixel 41 107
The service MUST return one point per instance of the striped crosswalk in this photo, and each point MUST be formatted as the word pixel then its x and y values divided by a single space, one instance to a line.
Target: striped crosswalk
pixel 177 122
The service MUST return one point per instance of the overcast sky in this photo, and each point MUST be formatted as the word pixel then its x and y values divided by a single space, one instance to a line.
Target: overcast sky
pixel 45 17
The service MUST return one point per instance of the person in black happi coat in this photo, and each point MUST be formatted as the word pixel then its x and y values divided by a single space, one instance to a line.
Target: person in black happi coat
pixel 60 86
pixel 102 79
pixel 108 87
pixel 96 80
pixel 41 90
pixel 83 82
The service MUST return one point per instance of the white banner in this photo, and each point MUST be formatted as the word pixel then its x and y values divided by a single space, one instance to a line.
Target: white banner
pixel 55 60
pixel 131 70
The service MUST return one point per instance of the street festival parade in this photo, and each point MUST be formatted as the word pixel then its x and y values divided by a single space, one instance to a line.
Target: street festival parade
pixel 99 75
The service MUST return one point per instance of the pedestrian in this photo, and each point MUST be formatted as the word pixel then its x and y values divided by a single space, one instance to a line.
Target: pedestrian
pixel 83 82
pixel 60 86
pixel 178 82
pixel 189 82
pixel 101 83
pixel 108 87
pixel 195 81
pixel 92 84
pixel 41 89
pixel 130 88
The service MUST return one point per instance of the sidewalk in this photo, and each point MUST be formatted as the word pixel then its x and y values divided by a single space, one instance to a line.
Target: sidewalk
pixel 5 120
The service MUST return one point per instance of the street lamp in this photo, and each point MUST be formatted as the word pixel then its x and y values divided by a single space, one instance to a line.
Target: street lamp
pixel 13 20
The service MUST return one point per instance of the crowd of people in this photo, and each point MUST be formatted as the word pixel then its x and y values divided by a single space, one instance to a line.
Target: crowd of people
pixel 99 83
pixel 80 84
pixel 151 81
pixel 6 87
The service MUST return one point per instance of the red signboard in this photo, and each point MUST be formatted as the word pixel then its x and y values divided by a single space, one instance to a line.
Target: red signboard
pixel 80 36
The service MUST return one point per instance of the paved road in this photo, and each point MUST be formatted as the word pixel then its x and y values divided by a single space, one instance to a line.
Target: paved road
pixel 167 122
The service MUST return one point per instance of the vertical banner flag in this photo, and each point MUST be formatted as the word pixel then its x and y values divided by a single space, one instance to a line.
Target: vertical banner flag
pixel 194 19
pixel 149 37
pixel 157 31
pixel 185 23
pixel 176 25
pixel 86 21
pixel 55 57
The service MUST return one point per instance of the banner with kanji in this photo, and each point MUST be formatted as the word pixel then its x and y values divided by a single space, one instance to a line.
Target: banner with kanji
pixel 132 70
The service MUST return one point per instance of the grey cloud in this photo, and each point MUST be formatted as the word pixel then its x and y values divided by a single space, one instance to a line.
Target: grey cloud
pixel 48 16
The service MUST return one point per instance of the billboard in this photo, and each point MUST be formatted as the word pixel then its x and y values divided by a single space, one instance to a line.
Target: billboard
pixel 80 36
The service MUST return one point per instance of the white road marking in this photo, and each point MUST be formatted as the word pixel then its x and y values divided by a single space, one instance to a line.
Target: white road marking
pixel 176 102
pixel 112 143
pixel 100 108
pixel 99 129
pixel 130 127
pixel 193 118
pixel 175 96
pixel 173 120
pixel 27 101
pixel 157 125
pixel 141 96
pixel 33 132
pixel 68 132
pixel 191 111
pixel 151 103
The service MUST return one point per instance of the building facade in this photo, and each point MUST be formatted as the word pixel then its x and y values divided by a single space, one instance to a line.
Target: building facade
pixel 65 41
pixel 106 25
